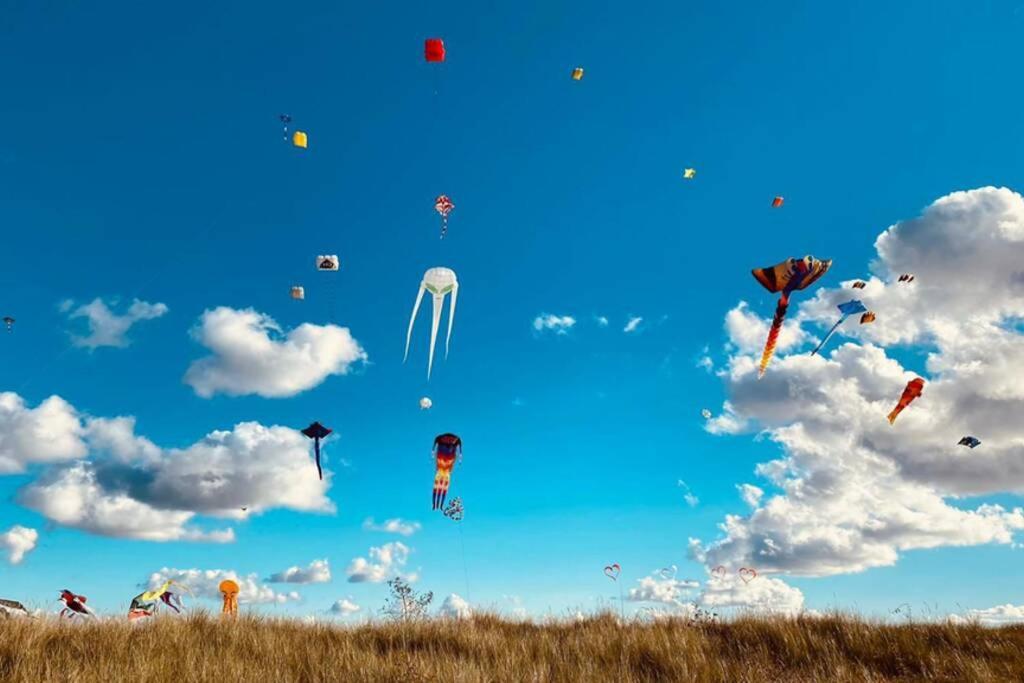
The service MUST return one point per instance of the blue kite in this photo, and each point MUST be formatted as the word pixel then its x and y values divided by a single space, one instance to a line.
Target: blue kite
pixel 970 442
pixel 852 307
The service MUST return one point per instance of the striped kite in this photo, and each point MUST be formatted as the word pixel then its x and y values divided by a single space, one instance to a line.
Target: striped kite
pixel 446 448
pixel 851 307
pixel 786 277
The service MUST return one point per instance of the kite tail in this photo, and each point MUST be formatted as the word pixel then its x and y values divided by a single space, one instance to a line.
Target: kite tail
pixel 773 334
pixel 444 226
pixel 895 413
pixel 316 447
pixel 441 481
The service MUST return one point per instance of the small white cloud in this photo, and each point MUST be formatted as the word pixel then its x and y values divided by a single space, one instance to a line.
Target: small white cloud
pixel 18 542
pixel 251 355
pixel 688 496
pixel 345 607
pixel 601 320
pixel 393 526
pixel 318 571
pixel 632 325
pixel 455 607
pixel 750 494
pixel 385 561
pixel 664 591
pixel 995 616
pixel 559 324
pixel 107 328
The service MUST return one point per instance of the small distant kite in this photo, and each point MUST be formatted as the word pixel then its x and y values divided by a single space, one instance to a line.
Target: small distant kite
pixel 328 262
pixel 439 282
pixel 868 317
pixel 747 574
pixel 300 139
pixel 298 293
pixel 668 573
pixel 74 605
pixel 706 414
pixel 443 205
pixel 612 571
pixel 454 511
pixel 317 431
pixel 778 202
pixel 859 284
pixel 969 441
pixel 577 73
pixel 689 173
pixel 229 589
pixel 447 447
pixel 915 388
pixel 433 50
pixel 787 277
pixel 9 322
pixel 719 572
pixel 906 277
pixel 285 120
pixel 847 309
pixel 426 403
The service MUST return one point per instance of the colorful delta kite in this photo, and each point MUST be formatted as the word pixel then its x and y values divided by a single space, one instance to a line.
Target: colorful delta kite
pixel 443 206
pixel 969 441
pixel 859 284
pixel 145 604
pixel 298 293
pixel 787 277
pixel 915 388
pixel 74 605
pixel 868 317
pixel 778 202
pixel 906 277
pixel 426 403
pixel 747 574
pixel 689 173
pixel 328 262
pixel 439 282
pixel 845 310
pixel 577 73
pixel 454 511
pixel 447 447
pixel 229 590
pixel 433 50
pixel 317 431
pixel 612 571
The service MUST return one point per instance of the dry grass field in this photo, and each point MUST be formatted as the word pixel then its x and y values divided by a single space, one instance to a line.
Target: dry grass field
pixel 487 648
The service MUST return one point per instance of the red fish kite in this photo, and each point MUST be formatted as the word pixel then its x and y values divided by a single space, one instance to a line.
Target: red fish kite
pixel 787 277
pixel 447 447
pixel 433 50
pixel 317 431
pixel 443 206
pixel 915 388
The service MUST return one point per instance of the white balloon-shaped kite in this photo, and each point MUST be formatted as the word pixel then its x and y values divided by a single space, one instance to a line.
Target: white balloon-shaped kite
pixel 439 282
pixel 426 403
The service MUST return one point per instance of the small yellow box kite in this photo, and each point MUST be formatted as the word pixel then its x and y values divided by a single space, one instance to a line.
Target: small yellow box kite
pixel 689 173
pixel 299 139
pixel 577 73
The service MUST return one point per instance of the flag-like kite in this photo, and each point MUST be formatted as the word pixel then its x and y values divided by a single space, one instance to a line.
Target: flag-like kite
pixel 447 447
pixel 317 431
pixel 914 388
pixel 787 277
pixel 443 205
pixel 969 441
pixel 845 310
pixel 439 282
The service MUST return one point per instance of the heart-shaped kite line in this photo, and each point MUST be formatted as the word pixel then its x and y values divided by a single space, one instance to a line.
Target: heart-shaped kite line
pixel 669 573
pixel 747 575
pixel 612 571
pixel 719 572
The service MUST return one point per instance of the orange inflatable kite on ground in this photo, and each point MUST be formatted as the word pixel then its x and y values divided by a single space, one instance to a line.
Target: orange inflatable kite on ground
pixel 915 388
pixel 229 589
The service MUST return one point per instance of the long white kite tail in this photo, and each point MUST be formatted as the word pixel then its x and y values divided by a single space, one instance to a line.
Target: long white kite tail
pixel 412 320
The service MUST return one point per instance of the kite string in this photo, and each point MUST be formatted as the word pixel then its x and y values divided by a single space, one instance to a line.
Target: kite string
pixel 465 569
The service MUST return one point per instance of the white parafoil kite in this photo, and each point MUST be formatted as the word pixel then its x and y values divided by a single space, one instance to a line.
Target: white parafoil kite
pixel 426 403
pixel 439 282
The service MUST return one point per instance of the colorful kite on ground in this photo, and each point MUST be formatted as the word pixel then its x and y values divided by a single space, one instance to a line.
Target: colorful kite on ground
pixel 846 310
pixel 868 317
pixel 443 205
pixel 74 605
pixel 969 441
pixel 787 277
pixel 447 447
pixel 915 388
pixel 439 282
pixel 229 589
pixel 317 431
pixel 454 511
pixel 612 571
pixel 145 604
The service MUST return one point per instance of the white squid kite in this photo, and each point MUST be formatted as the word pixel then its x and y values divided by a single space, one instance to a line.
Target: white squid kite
pixel 439 282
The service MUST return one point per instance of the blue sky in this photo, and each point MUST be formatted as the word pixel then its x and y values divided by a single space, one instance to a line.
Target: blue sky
pixel 143 159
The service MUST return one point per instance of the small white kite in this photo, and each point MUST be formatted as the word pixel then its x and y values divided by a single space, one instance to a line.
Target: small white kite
pixel 439 282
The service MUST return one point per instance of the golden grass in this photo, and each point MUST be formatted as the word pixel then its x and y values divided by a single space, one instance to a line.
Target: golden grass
pixel 488 648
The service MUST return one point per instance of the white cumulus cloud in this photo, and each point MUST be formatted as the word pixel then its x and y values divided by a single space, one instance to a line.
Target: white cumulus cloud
pixel 107 328
pixel 455 607
pixel 345 607
pixel 385 562
pixel 559 324
pixel 393 526
pixel 318 571
pixel 252 355
pixel 17 542
pixel 203 583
